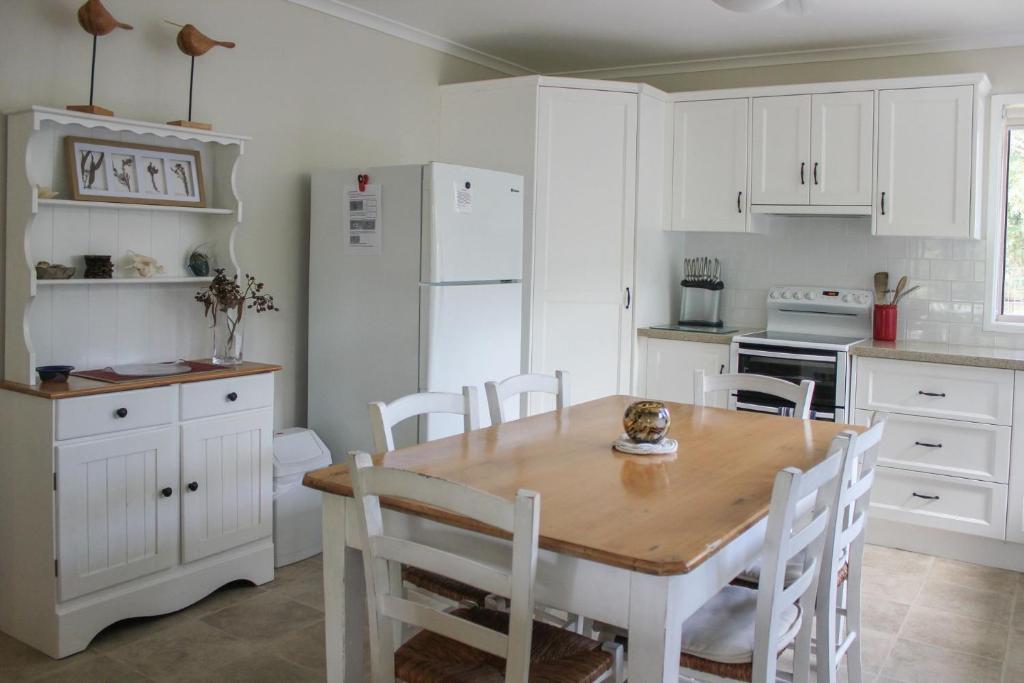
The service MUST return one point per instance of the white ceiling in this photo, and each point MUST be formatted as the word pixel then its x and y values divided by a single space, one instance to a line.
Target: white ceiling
pixel 557 36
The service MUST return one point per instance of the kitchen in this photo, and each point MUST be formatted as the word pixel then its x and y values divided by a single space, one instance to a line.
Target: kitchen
pixel 802 175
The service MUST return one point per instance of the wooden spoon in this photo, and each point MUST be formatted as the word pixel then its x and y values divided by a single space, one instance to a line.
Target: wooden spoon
pixel 900 286
pixel 881 284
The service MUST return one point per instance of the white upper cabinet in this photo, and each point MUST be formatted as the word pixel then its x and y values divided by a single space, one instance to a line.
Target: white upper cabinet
pixel 709 165
pixel 812 149
pixel 842 127
pixel 780 158
pixel 925 165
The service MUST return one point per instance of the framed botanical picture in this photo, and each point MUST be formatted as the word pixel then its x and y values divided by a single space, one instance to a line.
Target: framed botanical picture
pixel 110 171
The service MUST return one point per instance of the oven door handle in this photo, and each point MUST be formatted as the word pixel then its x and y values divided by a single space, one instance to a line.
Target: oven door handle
pixel 787 356
pixel 772 410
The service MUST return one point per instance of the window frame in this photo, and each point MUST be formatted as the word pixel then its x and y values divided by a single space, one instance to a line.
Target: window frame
pixel 1000 124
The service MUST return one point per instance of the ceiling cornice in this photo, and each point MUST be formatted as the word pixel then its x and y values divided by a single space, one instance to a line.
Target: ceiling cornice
pixel 803 57
pixel 357 15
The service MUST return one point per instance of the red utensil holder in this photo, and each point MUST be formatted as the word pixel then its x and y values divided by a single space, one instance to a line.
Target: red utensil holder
pixel 885 322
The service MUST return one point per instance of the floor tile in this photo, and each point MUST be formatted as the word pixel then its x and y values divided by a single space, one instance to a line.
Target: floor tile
pixel 265 619
pixel 186 650
pixel 973 575
pixel 914 662
pixel 875 648
pixel 881 614
pixel 92 668
pixel 975 604
pixel 304 647
pixel 899 587
pixel 954 632
pixel 19 662
pixel 893 560
pixel 1014 658
pixel 260 668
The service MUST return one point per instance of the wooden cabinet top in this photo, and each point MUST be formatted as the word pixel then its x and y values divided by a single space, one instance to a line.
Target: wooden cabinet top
pixel 655 514
pixel 80 386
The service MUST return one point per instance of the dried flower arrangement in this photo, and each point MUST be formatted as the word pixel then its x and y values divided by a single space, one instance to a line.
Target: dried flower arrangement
pixel 225 301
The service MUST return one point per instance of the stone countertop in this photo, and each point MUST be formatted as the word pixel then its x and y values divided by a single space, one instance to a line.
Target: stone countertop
pixel 691 335
pixel 930 352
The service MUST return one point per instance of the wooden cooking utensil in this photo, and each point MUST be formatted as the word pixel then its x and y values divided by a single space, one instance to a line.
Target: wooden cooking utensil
pixel 881 284
pixel 906 293
pixel 900 286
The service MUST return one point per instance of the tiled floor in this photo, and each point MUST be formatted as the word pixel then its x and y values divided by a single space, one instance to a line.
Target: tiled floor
pixel 927 620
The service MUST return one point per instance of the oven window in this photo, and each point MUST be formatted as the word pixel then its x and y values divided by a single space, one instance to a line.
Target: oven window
pixel 823 373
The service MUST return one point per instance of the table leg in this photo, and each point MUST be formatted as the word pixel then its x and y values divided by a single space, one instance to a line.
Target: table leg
pixel 655 628
pixel 344 596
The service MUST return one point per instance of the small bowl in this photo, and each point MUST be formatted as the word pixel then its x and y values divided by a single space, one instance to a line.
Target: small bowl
pixel 54 373
pixel 55 272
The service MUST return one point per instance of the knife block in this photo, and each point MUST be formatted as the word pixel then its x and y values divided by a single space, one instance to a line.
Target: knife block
pixel 700 306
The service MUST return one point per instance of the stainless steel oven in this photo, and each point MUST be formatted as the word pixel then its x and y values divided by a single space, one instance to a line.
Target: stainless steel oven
pixel 809 334
pixel 828 369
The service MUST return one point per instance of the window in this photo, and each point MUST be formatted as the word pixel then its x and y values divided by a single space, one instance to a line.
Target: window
pixel 1005 299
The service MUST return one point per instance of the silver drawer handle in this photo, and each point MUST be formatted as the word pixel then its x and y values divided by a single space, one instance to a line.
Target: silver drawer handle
pixel 933 394
pixel 921 495
pixel 928 445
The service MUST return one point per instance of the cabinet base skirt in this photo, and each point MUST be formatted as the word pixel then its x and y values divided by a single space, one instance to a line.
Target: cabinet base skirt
pixel 78 621
pixel 948 544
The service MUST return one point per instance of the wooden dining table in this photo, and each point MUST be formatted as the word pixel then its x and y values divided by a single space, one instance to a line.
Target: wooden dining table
pixel 639 542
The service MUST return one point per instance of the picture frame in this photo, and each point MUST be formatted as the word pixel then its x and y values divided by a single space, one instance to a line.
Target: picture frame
pixel 133 173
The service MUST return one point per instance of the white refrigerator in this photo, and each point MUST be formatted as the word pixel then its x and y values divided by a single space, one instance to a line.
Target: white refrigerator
pixel 414 285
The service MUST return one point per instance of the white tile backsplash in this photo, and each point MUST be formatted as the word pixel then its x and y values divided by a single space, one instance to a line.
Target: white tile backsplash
pixel 841 252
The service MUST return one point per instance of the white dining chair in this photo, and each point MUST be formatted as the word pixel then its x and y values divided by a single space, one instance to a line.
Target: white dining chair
pixel 839 598
pixel 466 644
pixel 499 392
pixel 384 416
pixel 798 394
pixel 740 633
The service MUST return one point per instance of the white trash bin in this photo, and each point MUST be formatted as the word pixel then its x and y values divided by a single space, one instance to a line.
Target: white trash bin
pixel 297 520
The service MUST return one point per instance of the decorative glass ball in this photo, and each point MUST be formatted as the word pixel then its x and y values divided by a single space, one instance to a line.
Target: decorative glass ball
pixel 647 421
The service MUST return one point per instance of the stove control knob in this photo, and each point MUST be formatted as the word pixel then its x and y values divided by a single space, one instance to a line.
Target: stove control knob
pixel 774 294
pixel 847 298
pixel 810 295
pixel 786 294
pixel 862 299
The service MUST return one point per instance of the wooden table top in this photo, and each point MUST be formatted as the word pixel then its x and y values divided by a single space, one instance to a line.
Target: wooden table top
pixel 654 514
pixel 81 386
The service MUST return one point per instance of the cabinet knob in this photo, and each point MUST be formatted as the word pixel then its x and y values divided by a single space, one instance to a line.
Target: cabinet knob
pixel 121 412
pixel 232 397
pixel 166 492
pixel 193 486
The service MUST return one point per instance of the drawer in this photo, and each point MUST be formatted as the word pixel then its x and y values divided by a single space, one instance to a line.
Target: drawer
pixel 116 412
pixel 935 390
pixel 961 449
pixel 932 500
pixel 232 395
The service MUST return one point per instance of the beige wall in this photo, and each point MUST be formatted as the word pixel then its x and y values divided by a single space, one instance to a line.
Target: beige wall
pixel 313 91
pixel 1003 66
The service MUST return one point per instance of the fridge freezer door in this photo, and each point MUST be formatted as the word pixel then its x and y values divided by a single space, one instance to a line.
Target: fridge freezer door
pixel 469 334
pixel 472 224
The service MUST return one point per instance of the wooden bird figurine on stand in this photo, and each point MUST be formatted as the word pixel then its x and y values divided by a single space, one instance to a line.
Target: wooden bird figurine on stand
pixel 194 43
pixel 97 21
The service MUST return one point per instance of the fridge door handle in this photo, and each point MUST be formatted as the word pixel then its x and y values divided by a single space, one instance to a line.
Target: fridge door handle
pixel 629 298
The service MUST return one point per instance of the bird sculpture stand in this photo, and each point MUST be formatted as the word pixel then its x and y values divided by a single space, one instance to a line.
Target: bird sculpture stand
pixel 97 21
pixel 194 43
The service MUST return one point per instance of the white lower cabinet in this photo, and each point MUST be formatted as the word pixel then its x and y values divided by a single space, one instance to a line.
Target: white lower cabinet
pixel 1015 505
pixel 117 510
pixel 226 482
pixel 670 365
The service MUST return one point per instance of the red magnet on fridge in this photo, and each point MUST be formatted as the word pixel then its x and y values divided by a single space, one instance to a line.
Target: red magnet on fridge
pixel 363 180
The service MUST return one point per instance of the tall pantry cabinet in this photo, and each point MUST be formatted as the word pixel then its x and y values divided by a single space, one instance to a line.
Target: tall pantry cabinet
pixel 582 147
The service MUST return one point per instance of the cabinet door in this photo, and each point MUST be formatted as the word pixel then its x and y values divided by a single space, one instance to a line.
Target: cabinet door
pixel 842 129
pixel 671 364
pixel 226 482
pixel 1015 491
pixel 585 217
pixel 924 161
pixel 117 510
pixel 709 165
pixel 780 171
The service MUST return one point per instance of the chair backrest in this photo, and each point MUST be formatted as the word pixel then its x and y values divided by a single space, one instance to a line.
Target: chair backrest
pixel 798 394
pixel 499 392
pixel 384 416
pixel 844 546
pixel 387 605
pixel 790 535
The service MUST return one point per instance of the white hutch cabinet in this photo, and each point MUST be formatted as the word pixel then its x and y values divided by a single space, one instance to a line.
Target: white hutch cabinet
pixel 137 498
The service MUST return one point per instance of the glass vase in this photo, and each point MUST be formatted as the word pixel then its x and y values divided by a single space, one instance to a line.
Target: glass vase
pixel 228 336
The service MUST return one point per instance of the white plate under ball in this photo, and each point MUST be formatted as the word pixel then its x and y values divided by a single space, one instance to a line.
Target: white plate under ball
pixel 624 444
